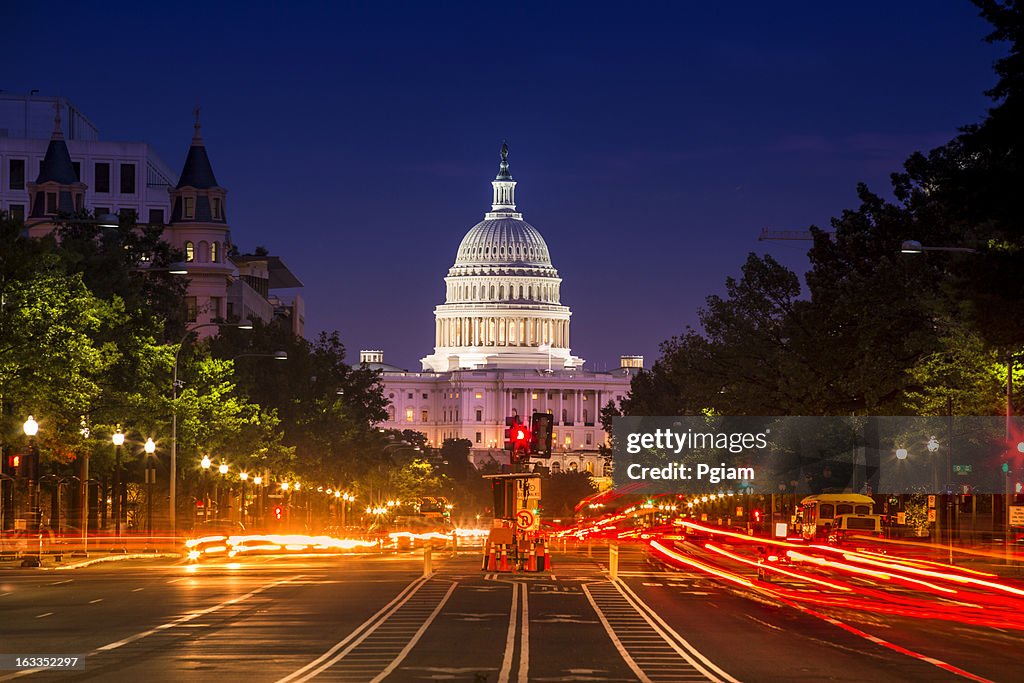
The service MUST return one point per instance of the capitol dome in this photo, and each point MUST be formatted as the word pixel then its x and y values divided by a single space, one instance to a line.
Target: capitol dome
pixel 502 306
pixel 503 241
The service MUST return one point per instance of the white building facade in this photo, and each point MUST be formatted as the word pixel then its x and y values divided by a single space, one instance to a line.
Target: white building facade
pixel 501 349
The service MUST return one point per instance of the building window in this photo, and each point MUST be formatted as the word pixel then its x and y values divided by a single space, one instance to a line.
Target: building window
pixel 573 467
pixel 101 177
pixel 216 304
pixel 589 440
pixel 479 415
pixel 534 396
pixel 215 252
pixel 156 216
pixel 514 395
pixel 423 416
pixel 479 437
pixel 479 395
pixel 51 202
pixel 409 396
pixel 391 413
pixel 408 415
pixel 216 208
pixel 424 397
pixel 590 467
pixel 17 212
pixel 190 309
pixel 556 467
pixel 127 178
pixel 189 207
pixel 16 175
pixel 190 251
pixel 568 440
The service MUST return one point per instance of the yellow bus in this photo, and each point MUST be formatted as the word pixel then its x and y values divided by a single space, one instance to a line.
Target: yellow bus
pixel 819 512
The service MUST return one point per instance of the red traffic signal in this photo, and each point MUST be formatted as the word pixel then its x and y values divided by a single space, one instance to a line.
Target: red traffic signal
pixel 200 504
pixel 757 515
pixel 277 512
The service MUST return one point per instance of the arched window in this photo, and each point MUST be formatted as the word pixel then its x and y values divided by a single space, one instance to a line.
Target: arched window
pixel 501 292
pixel 391 413
pixel 530 293
pixel 520 291
pixel 190 251
pixel 556 467
pixel 492 291
pixel 573 467
pixel 215 252
pixel 590 467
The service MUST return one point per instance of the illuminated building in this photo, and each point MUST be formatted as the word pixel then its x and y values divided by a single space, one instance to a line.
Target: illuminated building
pixel 501 348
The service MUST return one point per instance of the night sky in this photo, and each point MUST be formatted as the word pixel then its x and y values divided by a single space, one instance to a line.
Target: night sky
pixel 651 145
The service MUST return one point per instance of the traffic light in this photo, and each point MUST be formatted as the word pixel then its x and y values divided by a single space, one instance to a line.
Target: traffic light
pixel 756 514
pixel 277 512
pixel 517 439
pixel 540 434
pixel 14 465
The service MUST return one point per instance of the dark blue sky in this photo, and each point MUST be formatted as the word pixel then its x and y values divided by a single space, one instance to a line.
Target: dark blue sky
pixel 650 145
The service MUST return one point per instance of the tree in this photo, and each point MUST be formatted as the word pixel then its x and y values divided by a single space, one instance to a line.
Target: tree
pixel 562 491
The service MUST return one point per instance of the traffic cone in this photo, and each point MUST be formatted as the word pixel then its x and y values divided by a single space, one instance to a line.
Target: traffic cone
pixel 492 560
pixel 504 560
pixel 531 560
pixel 545 558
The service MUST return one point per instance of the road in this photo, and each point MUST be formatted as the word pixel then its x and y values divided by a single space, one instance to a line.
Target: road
pixel 375 618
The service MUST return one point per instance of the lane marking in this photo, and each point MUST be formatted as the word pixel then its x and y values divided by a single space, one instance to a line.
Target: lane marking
pixel 524 639
pixel 626 657
pixel 93 602
pixel 647 613
pixel 416 636
pixel 136 590
pixel 510 637
pixel 361 631
pixel 57 583
pixel 46 614
pixel 190 617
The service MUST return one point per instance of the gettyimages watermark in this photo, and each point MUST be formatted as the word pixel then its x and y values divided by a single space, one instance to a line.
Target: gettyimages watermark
pixel 808 455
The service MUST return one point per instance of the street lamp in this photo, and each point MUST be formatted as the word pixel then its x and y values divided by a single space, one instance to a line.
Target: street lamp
pixel 150 449
pixel 31 428
pixel 118 440
pixel 205 464
pixel 244 476
pixel 173 474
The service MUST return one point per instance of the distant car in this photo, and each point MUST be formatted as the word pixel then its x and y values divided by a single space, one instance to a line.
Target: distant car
pixel 222 527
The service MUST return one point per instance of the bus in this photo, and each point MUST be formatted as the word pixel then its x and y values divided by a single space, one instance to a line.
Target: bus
pixel 819 512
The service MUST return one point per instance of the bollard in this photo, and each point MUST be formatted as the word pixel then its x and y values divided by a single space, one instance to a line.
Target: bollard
pixel 427 563
pixel 613 561
pixel 590 547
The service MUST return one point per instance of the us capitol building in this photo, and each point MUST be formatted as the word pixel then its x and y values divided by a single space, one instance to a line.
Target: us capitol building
pixel 501 348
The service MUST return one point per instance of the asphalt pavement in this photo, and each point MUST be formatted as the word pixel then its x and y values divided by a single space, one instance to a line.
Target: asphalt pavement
pixel 376 618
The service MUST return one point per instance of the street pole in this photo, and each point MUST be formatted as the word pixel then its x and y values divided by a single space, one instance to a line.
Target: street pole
pixel 1006 475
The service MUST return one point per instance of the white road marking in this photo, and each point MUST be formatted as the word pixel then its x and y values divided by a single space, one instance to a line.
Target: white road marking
pixel 136 590
pixel 47 614
pixel 416 637
pixel 57 583
pixel 93 602
pixel 190 617
pixel 524 639
pixel 510 637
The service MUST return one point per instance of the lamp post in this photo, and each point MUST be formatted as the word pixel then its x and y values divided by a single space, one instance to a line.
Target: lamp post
pixel 118 440
pixel 260 502
pixel 175 385
pixel 31 428
pixel 205 464
pixel 221 486
pixel 244 476
pixel 150 449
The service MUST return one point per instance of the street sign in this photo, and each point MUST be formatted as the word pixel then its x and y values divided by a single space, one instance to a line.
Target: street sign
pixel 526 520
pixel 1017 515
pixel 931 504
pixel 901 518
pixel 528 488
pixel 931 515
pixel 963 469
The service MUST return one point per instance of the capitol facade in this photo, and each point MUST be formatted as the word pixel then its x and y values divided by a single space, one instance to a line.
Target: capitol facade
pixel 501 349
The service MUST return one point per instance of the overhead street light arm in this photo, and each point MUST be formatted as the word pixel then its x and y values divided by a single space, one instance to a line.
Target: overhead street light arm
pixel 915 247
